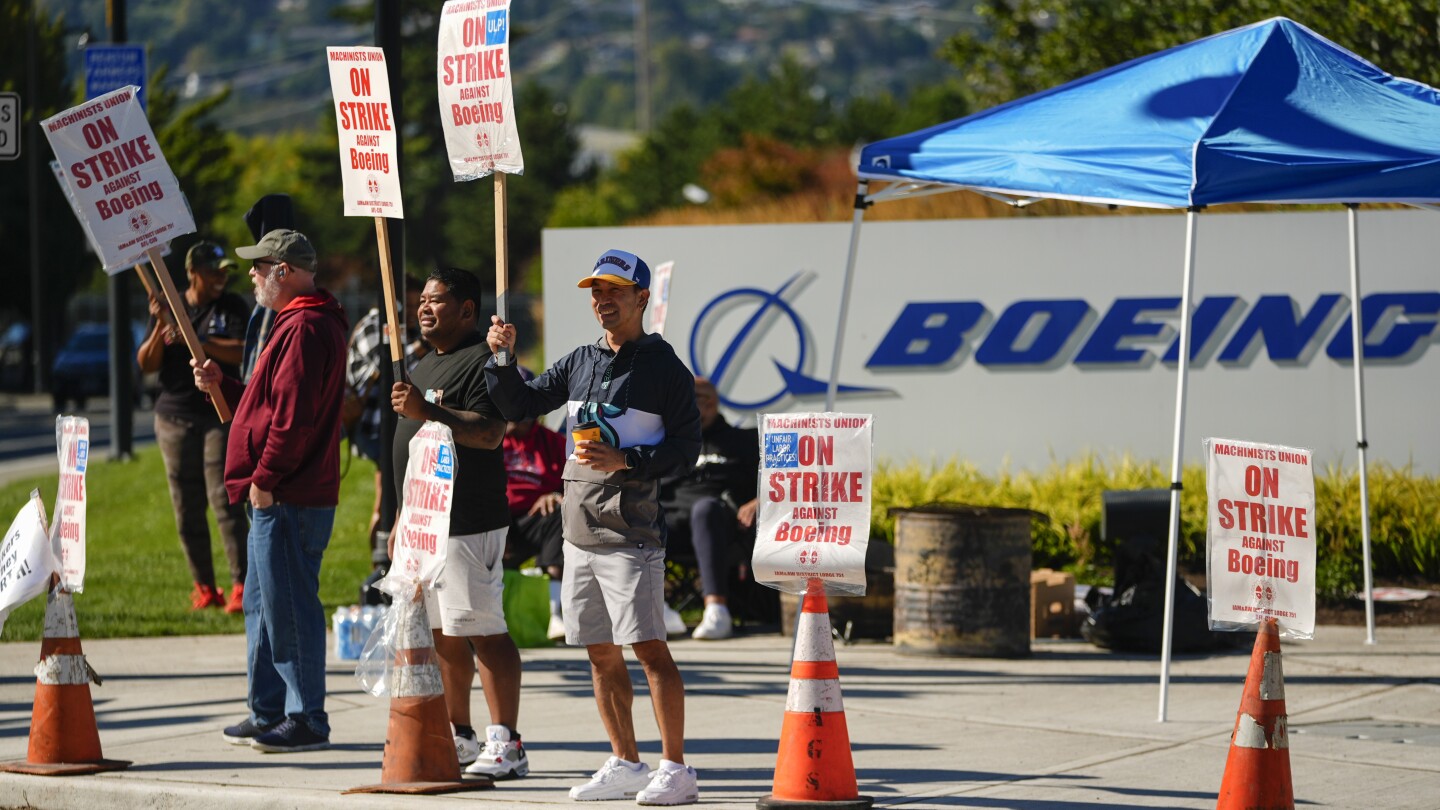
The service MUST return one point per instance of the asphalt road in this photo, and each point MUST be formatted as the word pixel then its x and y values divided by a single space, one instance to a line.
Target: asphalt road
pixel 27 432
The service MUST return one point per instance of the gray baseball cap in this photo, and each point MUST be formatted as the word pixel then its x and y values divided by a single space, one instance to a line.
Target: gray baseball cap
pixel 284 244
pixel 204 254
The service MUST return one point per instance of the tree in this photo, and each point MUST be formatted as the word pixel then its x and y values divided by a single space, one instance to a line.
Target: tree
pixel 759 140
pixel 1030 45
pixel 199 153
pixel 64 263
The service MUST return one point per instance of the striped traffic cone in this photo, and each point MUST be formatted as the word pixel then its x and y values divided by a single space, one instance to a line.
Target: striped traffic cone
pixel 814 768
pixel 419 747
pixel 64 740
pixel 1257 771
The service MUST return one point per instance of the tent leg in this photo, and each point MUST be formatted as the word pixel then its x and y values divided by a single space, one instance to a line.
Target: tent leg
pixel 1357 338
pixel 1177 460
pixel 860 205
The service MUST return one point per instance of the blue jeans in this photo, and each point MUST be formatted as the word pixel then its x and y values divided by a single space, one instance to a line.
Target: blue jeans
pixel 284 620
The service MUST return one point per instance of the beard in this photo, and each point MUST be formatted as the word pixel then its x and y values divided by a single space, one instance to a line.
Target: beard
pixel 267 291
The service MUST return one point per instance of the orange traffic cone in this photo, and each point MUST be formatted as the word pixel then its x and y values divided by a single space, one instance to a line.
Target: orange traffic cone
pixel 1257 771
pixel 419 748
pixel 814 767
pixel 64 740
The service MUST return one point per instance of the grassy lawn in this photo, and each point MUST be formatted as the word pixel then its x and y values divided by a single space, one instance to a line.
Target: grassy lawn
pixel 136 580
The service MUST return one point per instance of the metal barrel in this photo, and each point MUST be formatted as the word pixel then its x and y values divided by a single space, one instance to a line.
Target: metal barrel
pixel 962 581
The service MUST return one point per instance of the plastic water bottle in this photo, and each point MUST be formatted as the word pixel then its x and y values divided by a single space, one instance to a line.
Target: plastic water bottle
pixel 340 622
pixel 348 639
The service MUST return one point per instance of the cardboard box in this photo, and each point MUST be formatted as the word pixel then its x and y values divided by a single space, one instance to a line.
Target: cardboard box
pixel 1052 604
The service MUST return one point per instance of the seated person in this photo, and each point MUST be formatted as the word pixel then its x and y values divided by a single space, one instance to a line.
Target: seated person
pixel 710 508
pixel 534 459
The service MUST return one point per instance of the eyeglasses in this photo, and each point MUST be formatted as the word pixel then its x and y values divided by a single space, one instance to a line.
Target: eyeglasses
pixel 266 263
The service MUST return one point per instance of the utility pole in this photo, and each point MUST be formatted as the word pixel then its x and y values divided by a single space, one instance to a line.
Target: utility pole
pixel 122 352
pixel 39 339
pixel 642 66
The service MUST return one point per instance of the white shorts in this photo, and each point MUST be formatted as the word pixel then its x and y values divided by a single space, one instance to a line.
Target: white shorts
pixel 613 594
pixel 468 597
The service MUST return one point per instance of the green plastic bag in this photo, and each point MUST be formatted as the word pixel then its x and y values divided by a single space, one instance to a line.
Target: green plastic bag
pixel 527 608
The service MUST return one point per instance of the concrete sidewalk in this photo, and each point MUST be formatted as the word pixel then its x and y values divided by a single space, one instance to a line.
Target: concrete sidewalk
pixel 1071 727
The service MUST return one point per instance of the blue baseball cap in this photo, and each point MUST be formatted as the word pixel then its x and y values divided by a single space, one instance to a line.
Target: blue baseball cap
pixel 619 267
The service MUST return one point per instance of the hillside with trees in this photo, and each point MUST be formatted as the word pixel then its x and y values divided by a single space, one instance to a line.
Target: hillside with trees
pixel 755 107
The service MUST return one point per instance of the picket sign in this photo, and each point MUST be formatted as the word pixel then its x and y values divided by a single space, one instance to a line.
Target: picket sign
pixel 26 558
pixel 117 178
pixel 477 113
pixel 814 498
pixel 1260 537
pixel 127 198
pixel 660 296
pixel 67 533
pixel 369 160
pixel 418 555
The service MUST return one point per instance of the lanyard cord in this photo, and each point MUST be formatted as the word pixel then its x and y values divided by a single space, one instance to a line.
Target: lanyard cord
pixel 626 352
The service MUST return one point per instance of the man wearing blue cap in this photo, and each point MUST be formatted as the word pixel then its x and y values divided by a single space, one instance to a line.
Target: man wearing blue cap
pixel 633 419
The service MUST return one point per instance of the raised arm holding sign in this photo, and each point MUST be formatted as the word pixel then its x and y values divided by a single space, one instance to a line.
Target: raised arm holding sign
pixel 369 161
pixel 477 111
pixel 128 199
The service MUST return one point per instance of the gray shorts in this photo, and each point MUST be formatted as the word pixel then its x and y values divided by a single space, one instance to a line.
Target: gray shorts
pixel 613 594
pixel 468 599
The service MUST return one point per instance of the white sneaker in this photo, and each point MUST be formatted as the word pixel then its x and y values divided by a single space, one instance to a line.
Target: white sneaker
pixel 670 787
pixel 503 758
pixel 674 625
pixel 556 630
pixel 466 749
pixel 616 779
pixel 715 624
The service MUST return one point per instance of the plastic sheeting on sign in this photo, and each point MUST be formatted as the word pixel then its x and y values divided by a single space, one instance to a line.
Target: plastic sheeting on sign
pixel 26 561
pixel 67 531
pixel 1260 536
pixel 421 532
pixel 472 78
pixel 815 492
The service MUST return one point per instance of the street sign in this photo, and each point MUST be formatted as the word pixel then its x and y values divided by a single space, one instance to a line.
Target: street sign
pixel 9 126
pixel 111 67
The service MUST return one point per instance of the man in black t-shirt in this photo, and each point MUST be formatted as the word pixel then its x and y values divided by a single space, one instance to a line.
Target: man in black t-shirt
pixel 191 437
pixel 466 607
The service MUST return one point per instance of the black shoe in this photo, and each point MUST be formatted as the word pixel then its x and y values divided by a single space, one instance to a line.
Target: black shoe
pixel 290 737
pixel 245 732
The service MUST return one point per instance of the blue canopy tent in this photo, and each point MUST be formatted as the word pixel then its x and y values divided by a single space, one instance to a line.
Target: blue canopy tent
pixel 1267 113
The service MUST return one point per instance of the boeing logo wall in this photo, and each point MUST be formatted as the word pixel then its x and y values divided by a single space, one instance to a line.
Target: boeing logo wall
pixel 932 333
pixel 1025 341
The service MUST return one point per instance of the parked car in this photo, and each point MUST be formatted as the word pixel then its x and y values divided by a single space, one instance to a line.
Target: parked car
pixel 82 366
pixel 16 371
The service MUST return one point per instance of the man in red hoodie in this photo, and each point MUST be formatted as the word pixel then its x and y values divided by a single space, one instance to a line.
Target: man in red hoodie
pixel 283 460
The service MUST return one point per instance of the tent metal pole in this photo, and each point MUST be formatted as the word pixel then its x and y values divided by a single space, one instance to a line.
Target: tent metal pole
pixel 1177 459
pixel 860 205
pixel 1357 339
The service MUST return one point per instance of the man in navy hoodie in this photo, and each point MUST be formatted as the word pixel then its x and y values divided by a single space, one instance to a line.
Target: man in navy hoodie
pixel 283 460
pixel 633 418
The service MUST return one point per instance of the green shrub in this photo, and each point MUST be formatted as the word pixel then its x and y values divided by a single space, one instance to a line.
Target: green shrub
pixel 1404 509
pixel 1336 578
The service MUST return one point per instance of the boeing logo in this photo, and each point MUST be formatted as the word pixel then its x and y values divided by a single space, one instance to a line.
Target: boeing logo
pixel 1048 333
pixel 758 313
